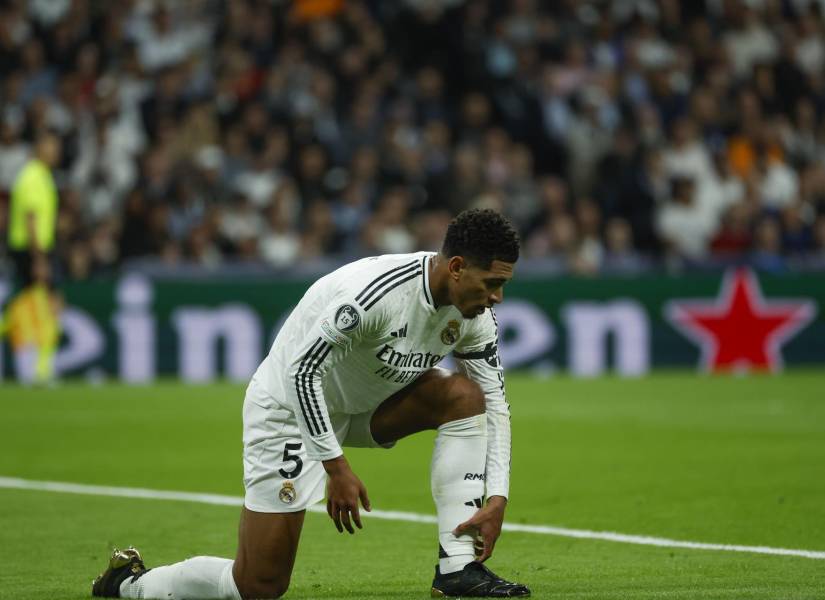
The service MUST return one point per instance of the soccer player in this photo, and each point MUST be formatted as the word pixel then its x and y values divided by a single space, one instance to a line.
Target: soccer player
pixel 356 365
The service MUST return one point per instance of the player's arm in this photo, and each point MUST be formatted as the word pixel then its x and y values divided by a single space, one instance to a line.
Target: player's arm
pixel 342 326
pixel 478 359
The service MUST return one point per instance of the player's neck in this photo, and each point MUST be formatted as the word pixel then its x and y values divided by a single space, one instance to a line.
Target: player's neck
pixel 438 281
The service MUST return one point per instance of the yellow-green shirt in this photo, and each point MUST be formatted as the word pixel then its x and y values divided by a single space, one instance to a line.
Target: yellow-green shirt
pixel 33 192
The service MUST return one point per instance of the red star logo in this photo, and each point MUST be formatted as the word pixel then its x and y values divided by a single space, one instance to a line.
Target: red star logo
pixel 740 330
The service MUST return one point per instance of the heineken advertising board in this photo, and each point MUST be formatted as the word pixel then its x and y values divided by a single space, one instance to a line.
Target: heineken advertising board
pixel 137 329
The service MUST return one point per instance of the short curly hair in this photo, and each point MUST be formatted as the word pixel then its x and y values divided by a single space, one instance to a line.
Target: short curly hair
pixel 481 236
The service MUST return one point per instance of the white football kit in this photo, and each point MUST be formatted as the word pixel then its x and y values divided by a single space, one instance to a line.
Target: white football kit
pixel 359 335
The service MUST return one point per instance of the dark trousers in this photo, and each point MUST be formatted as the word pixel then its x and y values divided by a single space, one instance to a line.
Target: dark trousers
pixel 24 265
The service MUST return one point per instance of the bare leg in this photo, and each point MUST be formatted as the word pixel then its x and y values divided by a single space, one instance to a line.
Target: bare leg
pixel 267 544
pixel 435 398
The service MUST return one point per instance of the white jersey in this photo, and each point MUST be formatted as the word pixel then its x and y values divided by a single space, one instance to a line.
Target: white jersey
pixel 367 330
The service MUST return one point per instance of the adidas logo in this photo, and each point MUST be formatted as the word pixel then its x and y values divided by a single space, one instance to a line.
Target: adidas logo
pixel 477 502
pixel 400 333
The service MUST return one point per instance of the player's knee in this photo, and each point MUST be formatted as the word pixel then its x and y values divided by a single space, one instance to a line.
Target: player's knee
pixel 264 589
pixel 465 398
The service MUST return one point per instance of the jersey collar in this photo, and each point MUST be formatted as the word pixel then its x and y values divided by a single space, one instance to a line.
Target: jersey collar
pixel 427 296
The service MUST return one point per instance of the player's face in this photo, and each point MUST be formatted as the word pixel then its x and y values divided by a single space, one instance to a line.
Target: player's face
pixel 475 288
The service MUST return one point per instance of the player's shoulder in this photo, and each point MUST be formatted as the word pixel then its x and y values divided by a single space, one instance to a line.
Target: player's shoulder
pixel 366 268
pixel 28 172
pixel 367 280
pixel 351 294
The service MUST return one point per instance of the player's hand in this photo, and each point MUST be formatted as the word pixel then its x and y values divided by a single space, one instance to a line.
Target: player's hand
pixel 344 491
pixel 485 525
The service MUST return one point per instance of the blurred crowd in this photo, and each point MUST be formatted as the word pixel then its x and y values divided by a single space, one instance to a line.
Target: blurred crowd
pixel 615 135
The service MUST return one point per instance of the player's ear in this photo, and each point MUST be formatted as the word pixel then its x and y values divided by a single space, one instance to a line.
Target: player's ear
pixel 455 266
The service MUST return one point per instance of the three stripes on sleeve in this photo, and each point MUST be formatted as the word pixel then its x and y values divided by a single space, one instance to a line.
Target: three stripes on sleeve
pixel 305 388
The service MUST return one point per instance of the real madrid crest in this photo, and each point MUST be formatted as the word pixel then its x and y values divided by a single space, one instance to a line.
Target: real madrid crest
pixel 449 335
pixel 287 494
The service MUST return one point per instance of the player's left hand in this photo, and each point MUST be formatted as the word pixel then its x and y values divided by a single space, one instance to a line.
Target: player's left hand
pixel 486 525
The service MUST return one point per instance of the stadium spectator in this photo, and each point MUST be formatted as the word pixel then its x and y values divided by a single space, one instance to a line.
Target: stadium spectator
pixel 280 243
pixel 734 236
pixel 171 111
pixel 14 152
pixel 683 223
pixel 767 252
pixel 777 183
pixel 620 255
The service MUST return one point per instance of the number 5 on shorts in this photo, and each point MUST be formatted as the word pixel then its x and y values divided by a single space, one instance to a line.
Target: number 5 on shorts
pixel 299 464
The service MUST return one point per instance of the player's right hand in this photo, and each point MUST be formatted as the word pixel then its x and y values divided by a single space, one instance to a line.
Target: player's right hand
pixel 344 491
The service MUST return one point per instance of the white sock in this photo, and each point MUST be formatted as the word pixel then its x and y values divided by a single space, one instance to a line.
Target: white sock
pixel 457 482
pixel 198 578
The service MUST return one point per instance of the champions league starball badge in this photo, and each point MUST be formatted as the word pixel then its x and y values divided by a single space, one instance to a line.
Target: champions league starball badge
pixel 346 318
pixel 449 335
pixel 287 494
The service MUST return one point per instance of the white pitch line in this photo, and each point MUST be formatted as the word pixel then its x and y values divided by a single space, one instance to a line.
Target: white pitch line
pixel 392 515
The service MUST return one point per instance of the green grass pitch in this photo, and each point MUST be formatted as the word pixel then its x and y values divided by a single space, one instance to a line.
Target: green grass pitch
pixel 711 459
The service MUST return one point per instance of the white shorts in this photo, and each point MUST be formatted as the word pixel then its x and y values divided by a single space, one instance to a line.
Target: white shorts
pixel 278 476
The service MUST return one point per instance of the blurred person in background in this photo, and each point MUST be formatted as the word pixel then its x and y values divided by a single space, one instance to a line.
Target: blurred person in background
pixel 644 189
pixel 33 317
pixel 280 243
pixel 797 234
pixel 734 235
pixel 683 223
pixel 612 100
pixel 241 225
pixel 32 325
pixel 391 235
pixel 33 209
pixel 619 252
pixel 767 246
pixel 777 183
pixel 590 251
pixel 14 152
